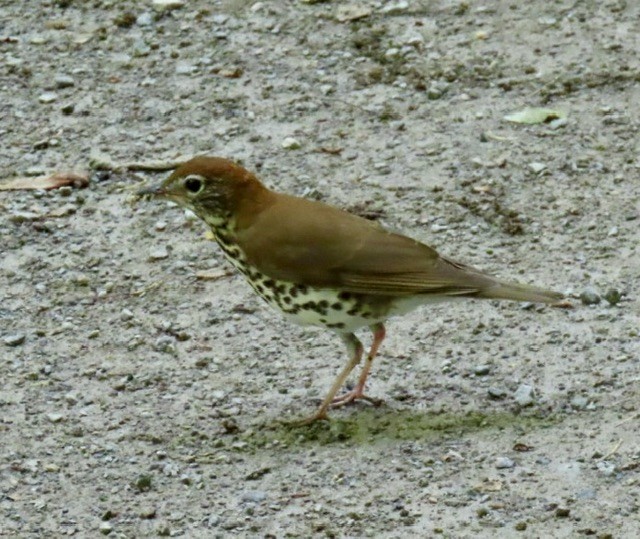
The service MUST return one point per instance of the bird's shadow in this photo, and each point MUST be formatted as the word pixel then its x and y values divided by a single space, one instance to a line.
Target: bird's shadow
pixel 377 425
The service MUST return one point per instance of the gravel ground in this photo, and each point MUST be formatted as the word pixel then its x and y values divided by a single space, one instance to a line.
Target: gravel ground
pixel 142 381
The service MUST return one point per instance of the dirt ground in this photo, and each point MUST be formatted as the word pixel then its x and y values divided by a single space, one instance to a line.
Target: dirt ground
pixel 141 380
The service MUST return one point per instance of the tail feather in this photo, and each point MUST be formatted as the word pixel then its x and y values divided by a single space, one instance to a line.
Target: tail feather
pixel 519 292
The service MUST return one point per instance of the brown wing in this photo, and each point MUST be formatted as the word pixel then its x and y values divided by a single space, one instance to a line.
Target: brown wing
pixel 310 243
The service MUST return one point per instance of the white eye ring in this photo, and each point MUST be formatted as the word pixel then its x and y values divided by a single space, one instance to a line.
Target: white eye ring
pixel 193 184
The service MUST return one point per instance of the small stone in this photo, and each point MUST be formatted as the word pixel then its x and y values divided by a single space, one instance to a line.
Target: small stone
pixel 291 143
pixel 55 417
pixel 105 528
pixel 147 512
pixel 496 393
pixel 395 8
pixel 47 97
pixel 434 92
pixel 589 297
pixel 64 81
pixel 612 296
pixel 524 395
pixel 14 340
pixel 537 167
pixel 158 254
pixel 141 49
pixel 68 108
pixel 606 468
pixel 578 402
pixel 504 463
pixel 254 496
pixel 613 231
pixel 562 512
pixel 184 68
pixel 144 19
pixel 220 18
pixel 71 398
pixel 481 370
pixel 126 315
pixel 521 526
pixel 167 4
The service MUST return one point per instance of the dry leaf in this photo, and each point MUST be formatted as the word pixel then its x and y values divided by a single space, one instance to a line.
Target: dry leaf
pixel 535 116
pixel 46 182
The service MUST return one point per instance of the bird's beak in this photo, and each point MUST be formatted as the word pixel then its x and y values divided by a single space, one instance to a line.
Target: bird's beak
pixel 152 190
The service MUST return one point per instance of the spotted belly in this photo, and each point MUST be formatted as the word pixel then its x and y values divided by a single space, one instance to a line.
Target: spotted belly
pixel 338 310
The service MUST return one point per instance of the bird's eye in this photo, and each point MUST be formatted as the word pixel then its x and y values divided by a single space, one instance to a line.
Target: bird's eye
pixel 193 184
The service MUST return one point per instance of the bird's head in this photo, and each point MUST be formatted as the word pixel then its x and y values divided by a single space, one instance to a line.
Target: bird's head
pixel 212 187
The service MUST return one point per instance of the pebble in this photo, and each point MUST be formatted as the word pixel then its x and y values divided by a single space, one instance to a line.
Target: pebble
pixel 55 417
pixel 64 81
pixel 105 528
pixel 504 463
pixel 589 297
pixel 524 395
pixel 168 4
pixel 147 512
pixel 613 231
pixel 481 370
pixel 184 68
pixel 578 402
pixel 496 393
pixel 47 97
pixel 291 143
pixel 14 340
pixel 613 296
pixel 606 468
pixel 254 496
pixel 537 167
pixel 158 254
pixel 126 315
pixel 71 398
pixel 395 7
pixel 144 19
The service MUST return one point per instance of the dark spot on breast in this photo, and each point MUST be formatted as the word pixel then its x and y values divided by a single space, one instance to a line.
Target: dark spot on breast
pixel 286 299
pixel 269 283
pixel 344 296
pixel 336 325
pixel 337 306
pixel 323 304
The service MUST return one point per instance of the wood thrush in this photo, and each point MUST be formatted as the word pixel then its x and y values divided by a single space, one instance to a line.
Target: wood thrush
pixel 322 266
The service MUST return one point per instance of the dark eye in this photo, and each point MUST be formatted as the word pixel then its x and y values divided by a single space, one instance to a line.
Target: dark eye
pixel 193 184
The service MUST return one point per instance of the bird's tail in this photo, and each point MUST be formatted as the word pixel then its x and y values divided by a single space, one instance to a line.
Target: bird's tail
pixel 519 292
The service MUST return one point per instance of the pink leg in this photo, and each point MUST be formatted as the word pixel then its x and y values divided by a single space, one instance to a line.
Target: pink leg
pixel 358 391
pixel 354 347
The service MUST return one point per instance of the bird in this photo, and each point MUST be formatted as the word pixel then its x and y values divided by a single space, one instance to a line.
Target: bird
pixel 322 266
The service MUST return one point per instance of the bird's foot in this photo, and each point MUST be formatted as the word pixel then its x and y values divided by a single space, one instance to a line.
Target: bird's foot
pixel 351 396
